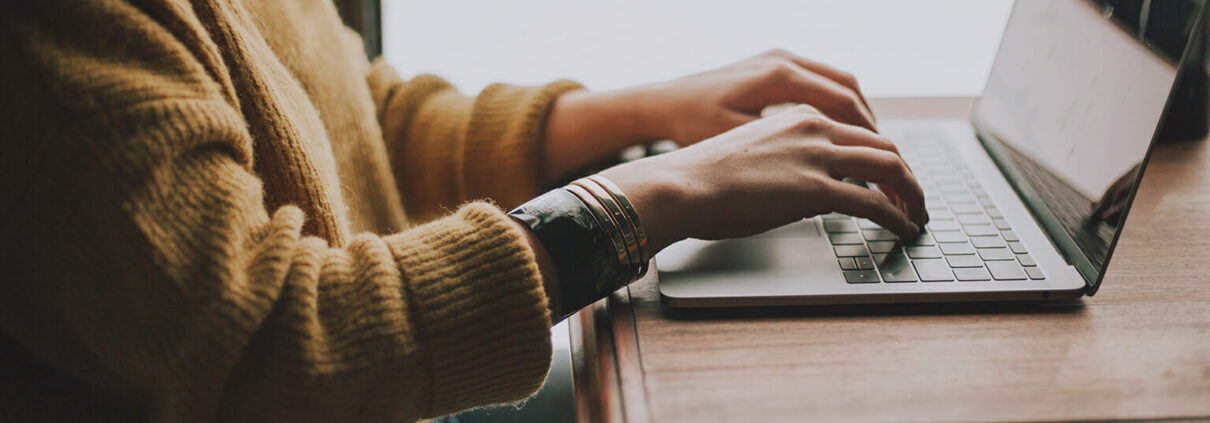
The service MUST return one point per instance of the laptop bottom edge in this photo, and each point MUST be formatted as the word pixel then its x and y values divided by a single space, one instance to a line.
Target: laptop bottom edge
pixel 877 298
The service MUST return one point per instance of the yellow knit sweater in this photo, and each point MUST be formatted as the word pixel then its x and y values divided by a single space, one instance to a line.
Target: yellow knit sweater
pixel 202 218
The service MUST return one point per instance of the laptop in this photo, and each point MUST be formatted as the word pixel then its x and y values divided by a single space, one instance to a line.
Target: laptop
pixel 1027 198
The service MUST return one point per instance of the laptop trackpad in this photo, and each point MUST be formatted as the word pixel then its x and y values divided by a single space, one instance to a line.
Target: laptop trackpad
pixel 781 249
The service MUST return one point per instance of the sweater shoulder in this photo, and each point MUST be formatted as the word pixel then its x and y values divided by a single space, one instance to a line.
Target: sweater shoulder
pixel 98 56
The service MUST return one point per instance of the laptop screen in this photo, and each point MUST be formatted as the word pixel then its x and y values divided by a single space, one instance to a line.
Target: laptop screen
pixel 1071 106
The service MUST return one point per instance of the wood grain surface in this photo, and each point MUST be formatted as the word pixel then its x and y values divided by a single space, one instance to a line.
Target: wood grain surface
pixel 1138 350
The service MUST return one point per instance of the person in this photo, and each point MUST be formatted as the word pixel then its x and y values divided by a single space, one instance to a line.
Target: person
pixel 222 211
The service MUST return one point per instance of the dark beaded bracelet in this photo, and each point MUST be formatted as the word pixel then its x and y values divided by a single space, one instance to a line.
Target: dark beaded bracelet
pixel 586 263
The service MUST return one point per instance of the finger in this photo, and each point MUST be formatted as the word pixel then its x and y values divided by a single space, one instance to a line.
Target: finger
pixel 841 77
pixel 850 135
pixel 862 202
pixel 1101 208
pixel 1114 214
pixel 890 194
pixel 777 108
pixel 835 100
pixel 885 169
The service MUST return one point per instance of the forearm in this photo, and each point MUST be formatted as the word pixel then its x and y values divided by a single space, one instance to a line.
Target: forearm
pixel 586 127
pixel 446 148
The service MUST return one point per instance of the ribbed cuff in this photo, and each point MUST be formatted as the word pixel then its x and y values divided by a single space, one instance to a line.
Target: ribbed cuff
pixel 476 296
pixel 503 147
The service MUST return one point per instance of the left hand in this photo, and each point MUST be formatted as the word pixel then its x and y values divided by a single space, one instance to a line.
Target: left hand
pixel 700 106
pixel 586 127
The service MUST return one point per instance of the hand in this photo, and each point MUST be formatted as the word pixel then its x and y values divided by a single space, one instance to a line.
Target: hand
pixel 700 106
pixel 769 173
pixel 586 127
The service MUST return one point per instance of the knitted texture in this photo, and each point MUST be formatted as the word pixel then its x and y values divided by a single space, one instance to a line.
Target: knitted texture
pixel 182 182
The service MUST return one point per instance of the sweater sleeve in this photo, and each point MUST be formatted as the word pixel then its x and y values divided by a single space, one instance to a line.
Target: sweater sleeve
pixel 139 256
pixel 447 148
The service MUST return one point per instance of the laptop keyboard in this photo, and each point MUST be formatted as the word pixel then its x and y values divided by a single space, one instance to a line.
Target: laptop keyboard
pixel 967 238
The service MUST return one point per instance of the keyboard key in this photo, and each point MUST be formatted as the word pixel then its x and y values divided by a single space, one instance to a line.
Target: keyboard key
pixel 846 239
pixel 1006 271
pixel 850 251
pixel 979 192
pixel 1034 273
pixel 964 261
pixel 987 242
pixel 960 198
pixel 834 216
pixel 923 252
pixel 847 263
pixel 972 274
pixel 1010 236
pixel 957 249
pixel 967 209
pixel 940 215
pixel 879 235
pixel 973 219
pixel 1001 224
pixel 933 270
pixel 943 226
pixel 950 180
pixel 995 254
pixel 895 267
pixel 952 189
pixel 1026 260
pixel 925 239
pixel 1017 247
pixel 947 237
pixel 981 230
pixel 861 276
pixel 994 212
pixel 864 263
pixel 839 226
pixel 867 224
pixel 986 202
pixel 883 247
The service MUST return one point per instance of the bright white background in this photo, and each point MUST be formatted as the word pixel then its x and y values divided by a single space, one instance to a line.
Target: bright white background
pixel 895 47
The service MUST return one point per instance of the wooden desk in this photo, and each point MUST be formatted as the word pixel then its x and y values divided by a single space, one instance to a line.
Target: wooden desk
pixel 1138 350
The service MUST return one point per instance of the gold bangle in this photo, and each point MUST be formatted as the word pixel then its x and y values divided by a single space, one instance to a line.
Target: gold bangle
pixel 617 215
pixel 640 233
pixel 640 255
pixel 623 225
pixel 615 226
pixel 603 219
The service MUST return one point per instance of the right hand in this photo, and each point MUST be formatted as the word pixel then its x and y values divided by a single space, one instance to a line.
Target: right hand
pixel 769 173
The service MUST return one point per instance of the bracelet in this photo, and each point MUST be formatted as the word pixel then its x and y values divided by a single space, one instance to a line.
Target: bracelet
pixel 620 223
pixel 604 222
pixel 624 216
pixel 619 211
pixel 593 235
pixel 643 249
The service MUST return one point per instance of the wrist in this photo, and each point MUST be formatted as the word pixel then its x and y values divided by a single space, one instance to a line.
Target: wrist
pixel 586 127
pixel 646 111
pixel 658 198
